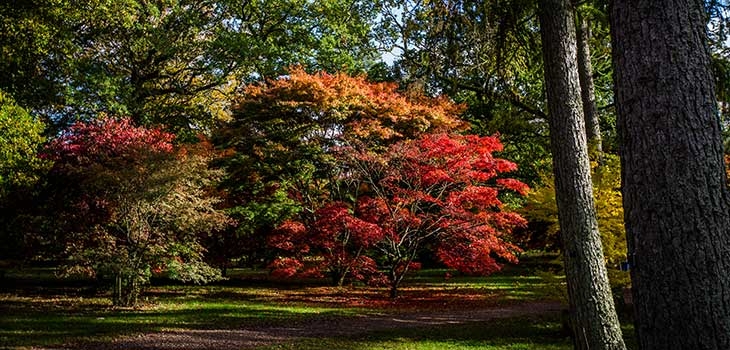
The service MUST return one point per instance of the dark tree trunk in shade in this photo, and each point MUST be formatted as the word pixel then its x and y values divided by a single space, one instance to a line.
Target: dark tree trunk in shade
pixel 594 321
pixel 588 91
pixel 675 197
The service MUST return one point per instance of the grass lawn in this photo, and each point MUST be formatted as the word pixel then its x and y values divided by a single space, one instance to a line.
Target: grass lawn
pixel 544 333
pixel 52 320
pixel 513 334
pixel 38 310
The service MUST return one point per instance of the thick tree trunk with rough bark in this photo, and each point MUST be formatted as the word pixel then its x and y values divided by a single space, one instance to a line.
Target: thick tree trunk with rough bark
pixel 595 324
pixel 587 89
pixel 676 205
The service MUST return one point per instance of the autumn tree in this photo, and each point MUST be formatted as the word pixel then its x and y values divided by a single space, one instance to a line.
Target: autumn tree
pixel 594 321
pixel 542 212
pixel 338 240
pixel 278 149
pixel 439 191
pixel 129 203
pixel 675 193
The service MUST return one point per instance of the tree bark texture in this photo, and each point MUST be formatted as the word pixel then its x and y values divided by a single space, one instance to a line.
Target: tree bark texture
pixel 595 324
pixel 587 89
pixel 675 197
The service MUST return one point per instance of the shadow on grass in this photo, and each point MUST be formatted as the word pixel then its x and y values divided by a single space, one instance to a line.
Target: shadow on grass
pixel 514 333
pixel 520 333
pixel 29 322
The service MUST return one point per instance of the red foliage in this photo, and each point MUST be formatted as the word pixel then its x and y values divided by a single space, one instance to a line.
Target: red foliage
pixel 412 185
pixel 285 267
pixel 108 138
pixel 440 189
pixel 514 185
pixel 98 152
pixel 332 244
pixel 287 234
pixel 335 219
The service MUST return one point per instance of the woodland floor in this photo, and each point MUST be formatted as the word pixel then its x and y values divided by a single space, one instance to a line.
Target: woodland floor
pixel 325 327
pixel 519 308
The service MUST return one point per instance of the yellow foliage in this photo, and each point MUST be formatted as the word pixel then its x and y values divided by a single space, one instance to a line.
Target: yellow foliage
pixel 609 207
pixel 541 207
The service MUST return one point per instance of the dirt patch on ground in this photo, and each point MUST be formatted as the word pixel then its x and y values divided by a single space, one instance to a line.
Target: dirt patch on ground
pixel 255 336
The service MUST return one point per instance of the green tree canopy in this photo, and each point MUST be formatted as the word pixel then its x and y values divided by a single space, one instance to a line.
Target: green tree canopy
pixel 21 137
pixel 171 62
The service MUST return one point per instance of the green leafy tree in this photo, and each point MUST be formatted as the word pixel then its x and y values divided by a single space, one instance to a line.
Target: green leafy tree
pixel 21 169
pixel 156 61
pixel 269 36
pixel 36 46
pixel 135 204
pixel 21 136
pixel 171 62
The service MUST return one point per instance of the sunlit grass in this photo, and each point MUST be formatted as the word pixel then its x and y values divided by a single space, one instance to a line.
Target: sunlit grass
pixel 43 311
pixel 41 321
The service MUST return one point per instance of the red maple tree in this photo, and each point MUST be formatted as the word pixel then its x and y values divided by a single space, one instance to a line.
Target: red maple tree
pixel 279 147
pixel 438 192
pixel 336 237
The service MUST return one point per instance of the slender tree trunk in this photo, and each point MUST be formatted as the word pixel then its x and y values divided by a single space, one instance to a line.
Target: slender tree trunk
pixel 676 203
pixel 394 290
pixel 587 90
pixel 117 295
pixel 394 282
pixel 595 324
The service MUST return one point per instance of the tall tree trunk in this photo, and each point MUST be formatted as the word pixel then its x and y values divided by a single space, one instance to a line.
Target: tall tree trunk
pixel 587 89
pixel 676 204
pixel 595 324
pixel 117 294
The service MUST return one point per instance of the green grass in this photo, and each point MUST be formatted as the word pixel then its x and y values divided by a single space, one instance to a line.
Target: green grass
pixel 42 321
pixel 40 310
pixel 506 334
pixel 542 333
pixel 510 288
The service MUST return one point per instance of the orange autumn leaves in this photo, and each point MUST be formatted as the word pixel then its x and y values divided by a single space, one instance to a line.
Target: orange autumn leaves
pixel 367 111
